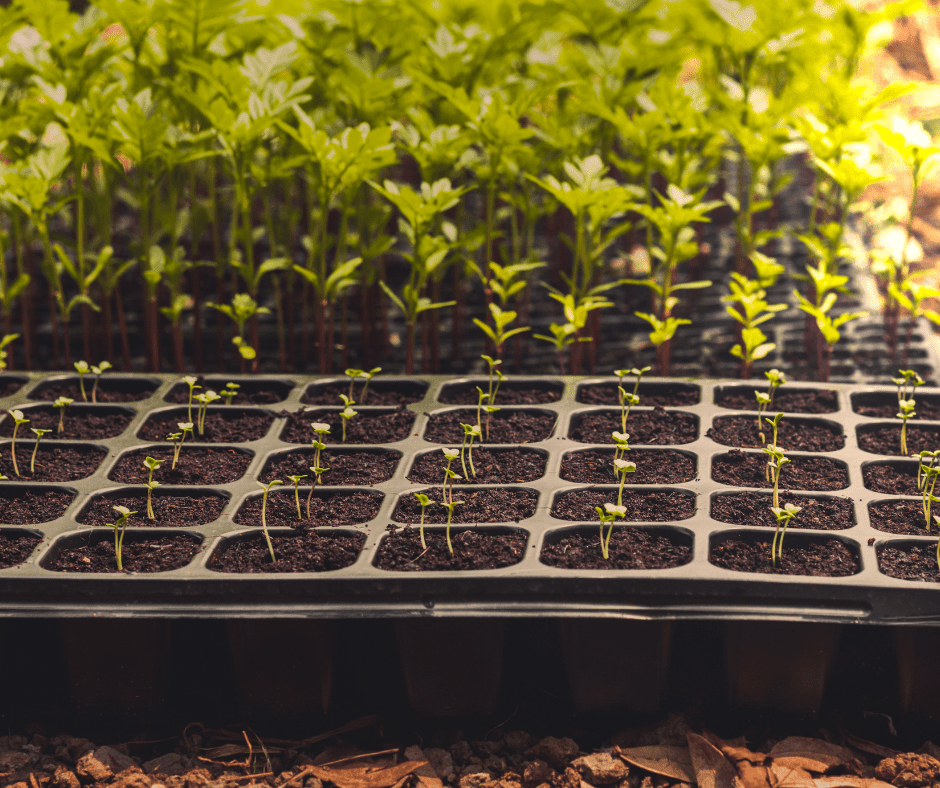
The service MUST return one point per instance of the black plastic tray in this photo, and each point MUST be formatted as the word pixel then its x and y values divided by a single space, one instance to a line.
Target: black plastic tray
pixel 696 590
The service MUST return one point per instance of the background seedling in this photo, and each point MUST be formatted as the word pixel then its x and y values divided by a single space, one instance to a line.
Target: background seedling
pixel 151 464
pixel 470 431
pixel 607 515
pixel 98 371
pixel 906 384
pixel 120 527
pixel 784 515
pixel 366 376
pixel 18 419
pixel 622 439
pixel 450 506
pixel 346 414
pixel 230 392
pixel 425 502
pixel 264 518
pixel 32 462
pixel 204 401
pixel 621 469
pixel 62 403
pixel 295 480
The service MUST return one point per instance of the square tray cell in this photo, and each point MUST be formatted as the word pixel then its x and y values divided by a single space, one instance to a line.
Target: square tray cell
pixel 197 465
pixel 643 506
pixel 251 390
pixel 297 551
pixel 172 508
pixel 497 465
pixel 16 545
pixel 80 422
pixel 886 438
pixel 817 512
pixel 508 425
pixel 55 461
pixel 142 551
pixel 653 466
pixel 479 505
pixel 803 472
pixel 786 399
pixel 650 427
pixel 884 405
pixel 346 466
pixel 793 433
pixel 31 504
pixel 906 559
pixel 222 424
pixel 803 554
pixel 327 507
pixel 667 395
pixel 510 392
pixel 378 393
pixel 474 549
pixel 630 547
pixel 378 425
pixel 111 388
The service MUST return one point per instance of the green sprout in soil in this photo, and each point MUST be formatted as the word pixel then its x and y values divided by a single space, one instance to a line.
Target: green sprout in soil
pixel 906 384
pixel 784 515
pixel 481 395
pixel 62 403
pixel 927 473
pixel 627 401
pixel 120 528
pixel 264 514
pixel 622 439
pixel 295 480
pixel 621 469
pixel 98 371
pixel 450 506
pixel 319 429
pixel 204 401
pixel 490 410
pixel 178 438
pixel 451 455
pixel 764 401
pixel 82 368
pixel 498 334
pixel 18 419
pixel 151 464
pixel 470 431
pixel 366 376
pixel 230 392
pixel 425 502
pixel 190 381
pixel 775 460
pixel 32 462
pixel 346 414
pixel 608 514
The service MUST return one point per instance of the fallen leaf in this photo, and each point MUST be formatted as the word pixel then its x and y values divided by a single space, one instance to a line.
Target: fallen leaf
pixel 712 769
pixel 814 755
pixel 790 777
pixel 367 776
pixel 426 774
pixel 850 781
pixel 667 761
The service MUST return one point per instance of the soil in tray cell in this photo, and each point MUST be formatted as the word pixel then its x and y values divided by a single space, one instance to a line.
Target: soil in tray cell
pixel 903 517
pixel 652 467
pixel 511 393
pixel 109 390
pixel 53 463
pixel 87 423
pixel 345 467
pixel 891 479
pixel 886 439
pixel 652 506
pixel 222 425
pixel 747 469
pixel 364 427
pixel 885 406
pixel 479 506
pixel 9 386
pixel 493 466
pixel 506 426
pixel 785 399
pixel 379 392
pixel 19 506
pixel 629 548
pixel 667 395
pixel 907 561
pixel 657 427
pixel 753 508
pixel 159 554
pixel 250 392
pixel 401 551
pixel 169 511
pixel 822 558
pixel 195 466
pixel 304 551
pixel 792 435
pixel 326 508
pixel 16 548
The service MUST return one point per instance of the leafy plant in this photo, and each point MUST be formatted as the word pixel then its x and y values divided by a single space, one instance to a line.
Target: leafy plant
pixel 120 528
pixel 751 309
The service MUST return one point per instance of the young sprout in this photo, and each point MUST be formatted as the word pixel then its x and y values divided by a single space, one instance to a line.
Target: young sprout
pixel 151 464
pixel 764 401
pixel 178 438
pixel 784 515
pixel 229 392
pixel 490 410
pixel 62 403
pixel 927 461
pixel 98 371
pixel 493 363
pixel 317 472
pixel 425 502
pixel 82 368
pixel 319 429
pixel 18 419
pixel 264 514
pixel 204 400
pixel 481 395
pixel 295 480
pixel 346 414
pixel 470 431
pixel 774 423
pixel 608 514
pixel 451 455
pixel 190 380
pixel 124 514
pixel 928 475
pixel 623 446
pixel 622 468
pixel 627 401
pixel 367 376
pixel 450 506
pixel 39 433
pixel 906 384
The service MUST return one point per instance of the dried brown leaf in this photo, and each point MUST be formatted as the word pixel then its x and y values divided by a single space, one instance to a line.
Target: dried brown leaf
pixel 790 777
pixel 426 774
pixel 367 776
pixel 850 781
pixel 667 761
pixel 814 755
pixel 712 769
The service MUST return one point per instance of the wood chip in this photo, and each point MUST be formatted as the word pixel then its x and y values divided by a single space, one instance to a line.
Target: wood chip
pixel 666 761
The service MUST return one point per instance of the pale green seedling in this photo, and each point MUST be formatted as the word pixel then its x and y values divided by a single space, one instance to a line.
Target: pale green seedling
pixel 230 392
pixel 18 419
pixel 425 502
pixel 62 403
pixel 120 527
pixel 784 515
pixel 204 401
pixel 470 431
pixel 621 469
pixel 190 381
pixel 82 368
pixel 178 438
pixel 151 464
pixel 366 376
pixel 295 480
pixel 451 455
pixel 627 401
pixel 622 440
pixel 450 506
pixel 98 371
pixel 32 462
pixel 906 384
pixel 607 515
pixel 346 414
pixel 264 514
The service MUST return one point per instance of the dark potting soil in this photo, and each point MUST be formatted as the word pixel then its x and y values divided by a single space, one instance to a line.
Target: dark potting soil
pixel 80 423
pixel 10 387
pixel 364 427
pixel 753 508
pixel 515 394
pixel 53 463
pixel 629 548
pixel 138 555
pixel 657 427
pixel 663 394
pixel 326 508
pixel 887 439
pixel 509 466
pixel 16 548
pixel 170 511
pixel 786 400
pixel 378 393
pixel 827 558
pixel 479 506
pixel 910 562
pixel 652 467
pixel 746 469
pixel 249 393
pixel 506 426
pixel 791 435
pixel 304 551
pixel 224 425
pixel 195 466
pixel 346 467
pixel 891 480
pixel 108 391
pixel 903 517
pixel 27 507
pixel 885 406
pixel 653 506
pixel 474 548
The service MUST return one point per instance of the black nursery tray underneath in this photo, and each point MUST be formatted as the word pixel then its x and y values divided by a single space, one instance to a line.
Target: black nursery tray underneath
pixel 683 573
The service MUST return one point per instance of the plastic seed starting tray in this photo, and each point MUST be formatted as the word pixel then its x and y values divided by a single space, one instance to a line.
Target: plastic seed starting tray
pixel 697 589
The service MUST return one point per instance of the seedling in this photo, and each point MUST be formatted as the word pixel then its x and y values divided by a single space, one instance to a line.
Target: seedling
pixel 774 423
pixel 124 514
pixel 621 469
pixel 98 371
pixel 319 428
pixel 927 461
pixel 927 473
pixel 18 419
pixel 32 462
pixel 425 502
pixel 264 514
pixel 295 480
pixel 493 363
pixel 317 472
pixel 623 446
pixel 190 380
pixel 204 400
pixel 346 414
pixel 450 506
pixel 937 521
pixel 607 515
pixel 470 431
pixel 62 403
pixel 490 410
pixel 367 376
pixel 451 455
pixel 784 515
pixel 764 401
pixel 229 392
pixel 627 401
pixel 178 438
pixel 906 384
pixel 481 395
pixel 151 464
pixel 82 368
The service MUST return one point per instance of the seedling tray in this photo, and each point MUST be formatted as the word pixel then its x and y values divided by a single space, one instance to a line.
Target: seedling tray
pixel 698 589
